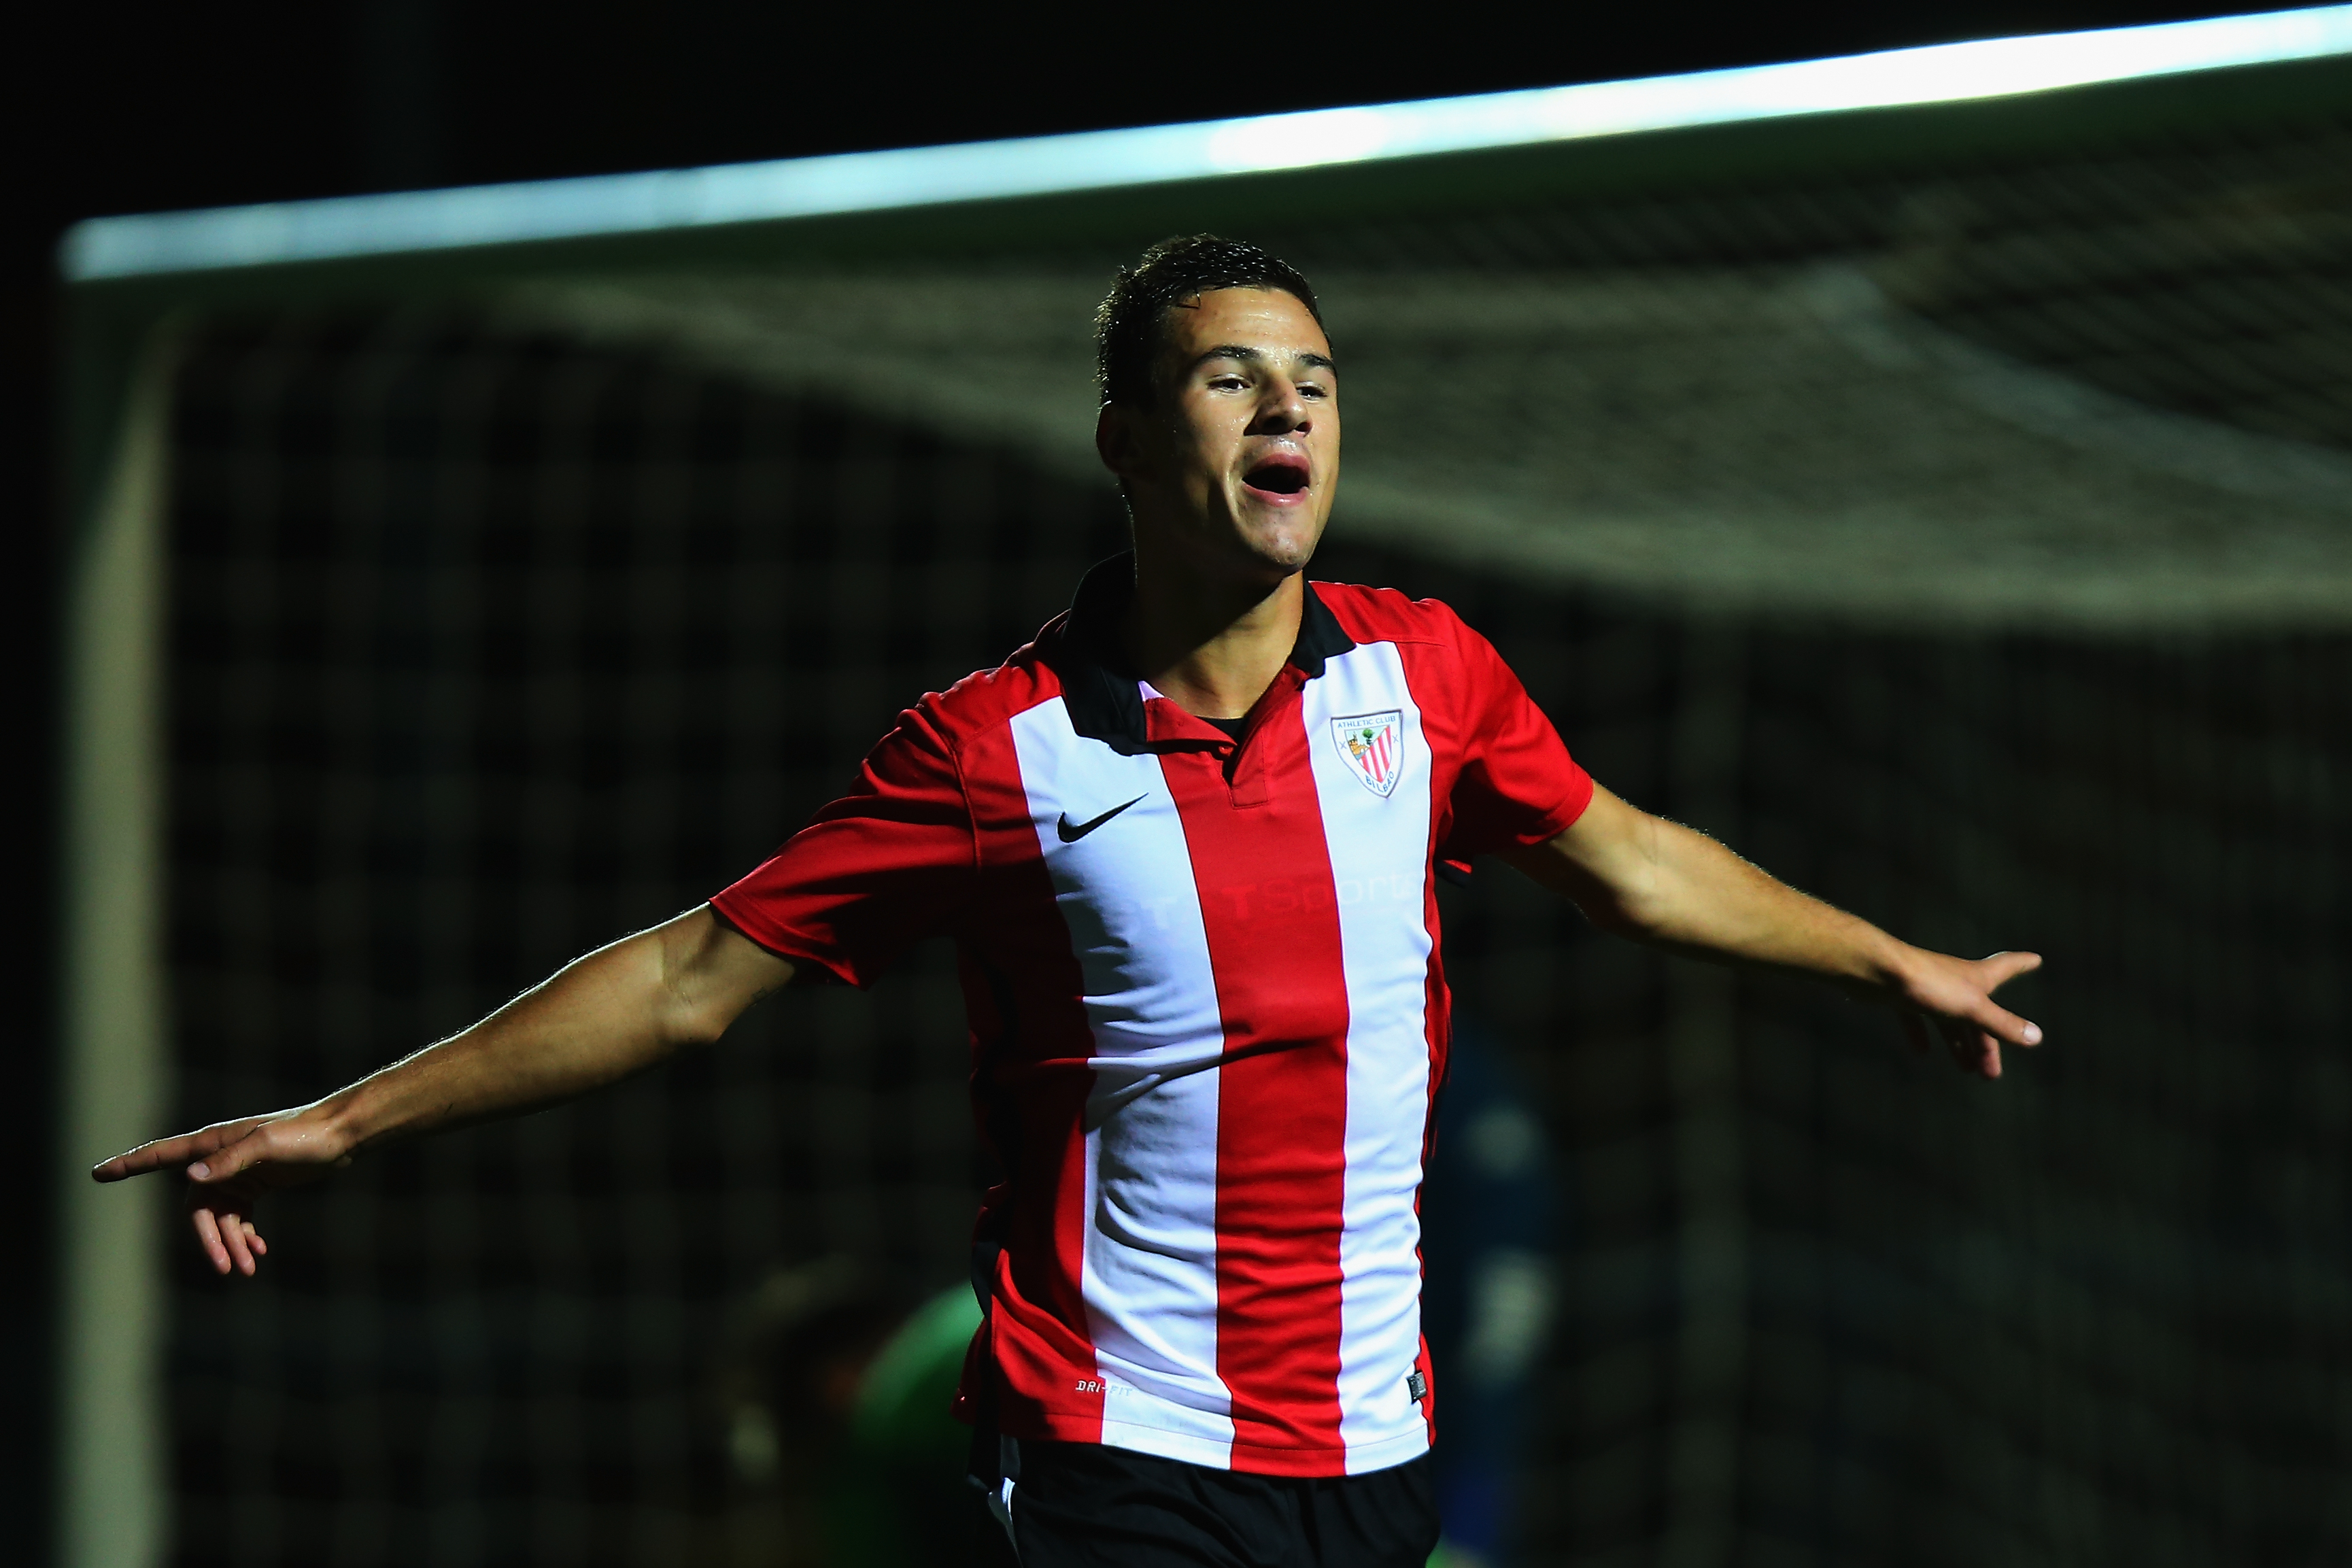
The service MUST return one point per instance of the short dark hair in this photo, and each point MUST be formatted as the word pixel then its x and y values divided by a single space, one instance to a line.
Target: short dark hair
pixel 1128 322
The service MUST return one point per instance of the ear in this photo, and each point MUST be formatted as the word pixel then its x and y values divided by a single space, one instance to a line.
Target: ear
pixel 1115 439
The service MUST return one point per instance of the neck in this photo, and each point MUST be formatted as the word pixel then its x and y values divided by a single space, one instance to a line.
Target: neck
pixel 1212 644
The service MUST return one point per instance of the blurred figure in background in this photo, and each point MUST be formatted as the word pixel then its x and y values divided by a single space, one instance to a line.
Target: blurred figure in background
pixel 1489 1235
pixel 833 1392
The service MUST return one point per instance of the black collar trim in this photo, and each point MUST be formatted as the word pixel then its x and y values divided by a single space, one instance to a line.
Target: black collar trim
pixel 1319 637
pixel 1082 647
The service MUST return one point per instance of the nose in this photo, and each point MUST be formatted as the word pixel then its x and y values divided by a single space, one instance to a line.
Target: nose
pixel 1281 411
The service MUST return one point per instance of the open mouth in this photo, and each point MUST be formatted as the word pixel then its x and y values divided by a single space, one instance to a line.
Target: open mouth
pixel 1285 474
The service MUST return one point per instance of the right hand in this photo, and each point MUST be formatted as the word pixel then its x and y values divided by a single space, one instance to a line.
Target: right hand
pixel 229 1165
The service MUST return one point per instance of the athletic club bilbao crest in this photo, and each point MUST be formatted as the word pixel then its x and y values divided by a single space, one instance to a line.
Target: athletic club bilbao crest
pixel 1373 745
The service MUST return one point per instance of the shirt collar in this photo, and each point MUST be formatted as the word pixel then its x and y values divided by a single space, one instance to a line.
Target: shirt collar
pixel 1104 701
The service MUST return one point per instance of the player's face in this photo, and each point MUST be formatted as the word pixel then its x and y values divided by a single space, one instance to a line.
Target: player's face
pixel 1239 455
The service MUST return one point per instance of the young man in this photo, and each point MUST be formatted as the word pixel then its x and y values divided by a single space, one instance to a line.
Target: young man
pixel 1184 842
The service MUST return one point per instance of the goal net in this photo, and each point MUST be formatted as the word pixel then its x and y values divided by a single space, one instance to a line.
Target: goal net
pixel 1967 540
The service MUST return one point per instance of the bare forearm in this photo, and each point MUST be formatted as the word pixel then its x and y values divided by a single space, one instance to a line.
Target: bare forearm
pixel 601 1018
pixel 1663 884
pixel 617 1011
pixel 1654 881
pixel 587 1025
pixel 1701 899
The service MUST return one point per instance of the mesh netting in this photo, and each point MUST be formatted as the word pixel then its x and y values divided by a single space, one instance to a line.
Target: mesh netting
pixel 486 650
pixel 490 644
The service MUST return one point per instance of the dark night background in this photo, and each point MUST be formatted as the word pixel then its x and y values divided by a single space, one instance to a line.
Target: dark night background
pixel 144 109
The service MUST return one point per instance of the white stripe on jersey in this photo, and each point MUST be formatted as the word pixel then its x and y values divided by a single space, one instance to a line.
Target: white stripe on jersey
pixel 1125 891
pixel 1378 848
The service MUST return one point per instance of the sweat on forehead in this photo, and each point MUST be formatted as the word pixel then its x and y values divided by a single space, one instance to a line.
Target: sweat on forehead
pixel 1130 323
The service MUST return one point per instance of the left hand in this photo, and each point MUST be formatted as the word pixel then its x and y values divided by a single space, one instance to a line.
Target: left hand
pixel 1940 994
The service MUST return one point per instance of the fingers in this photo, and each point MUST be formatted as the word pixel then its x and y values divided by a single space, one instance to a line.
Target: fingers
pixel 219 1165
pixel 233 1232
pixel 229 1240
pixel 1956 997
pixel 208 1235
pixel 1999 1022
pixel 1973 1051
pixel 1996 972
pixel 156 1156
pixel 1983 1055
pixel 165 1153
pixel 2003 967
pixel 277 1151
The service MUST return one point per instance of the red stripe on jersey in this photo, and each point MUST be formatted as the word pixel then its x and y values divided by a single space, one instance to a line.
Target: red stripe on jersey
pixel 1266 885
pixel 1030 1081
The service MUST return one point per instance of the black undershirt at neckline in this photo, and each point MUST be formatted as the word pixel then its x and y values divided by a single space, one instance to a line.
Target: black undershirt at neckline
pixel 1230 726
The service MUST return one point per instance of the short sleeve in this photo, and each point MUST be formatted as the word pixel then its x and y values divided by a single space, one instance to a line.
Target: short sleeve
pixel 1517 784
pixel 886 866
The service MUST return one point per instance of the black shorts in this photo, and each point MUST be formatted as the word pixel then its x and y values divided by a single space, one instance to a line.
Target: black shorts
pixel 1077 1504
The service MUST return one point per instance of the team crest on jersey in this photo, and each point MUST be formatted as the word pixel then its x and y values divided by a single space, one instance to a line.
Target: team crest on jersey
pixel 1373 745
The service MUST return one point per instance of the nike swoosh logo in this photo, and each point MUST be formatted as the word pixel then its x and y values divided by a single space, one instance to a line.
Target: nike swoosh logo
pixel 1071 835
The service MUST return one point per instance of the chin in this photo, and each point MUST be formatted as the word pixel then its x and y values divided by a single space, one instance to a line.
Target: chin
pixel 1280 557
pixel 1286 543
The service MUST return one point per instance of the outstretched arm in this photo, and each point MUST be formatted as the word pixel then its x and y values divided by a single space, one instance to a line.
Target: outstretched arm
pixel 1663 884
pixel 618 1011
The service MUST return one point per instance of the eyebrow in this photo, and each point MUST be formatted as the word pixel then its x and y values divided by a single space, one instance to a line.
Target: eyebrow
pixel 1248 355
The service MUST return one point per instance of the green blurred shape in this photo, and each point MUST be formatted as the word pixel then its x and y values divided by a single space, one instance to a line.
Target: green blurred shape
pixel 895 1497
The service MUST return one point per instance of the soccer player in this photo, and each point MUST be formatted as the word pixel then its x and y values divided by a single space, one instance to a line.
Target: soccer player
pixel 1185 843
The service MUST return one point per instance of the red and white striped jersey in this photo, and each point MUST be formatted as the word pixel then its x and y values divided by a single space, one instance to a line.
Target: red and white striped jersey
pixel 1207 1009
